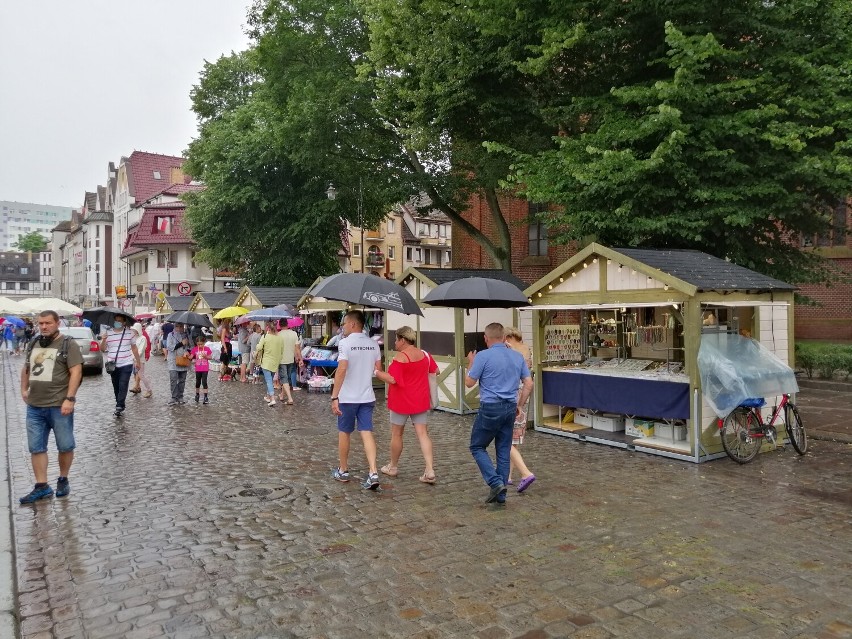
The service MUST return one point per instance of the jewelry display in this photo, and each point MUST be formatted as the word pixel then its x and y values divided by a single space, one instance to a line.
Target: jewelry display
pixel 562 343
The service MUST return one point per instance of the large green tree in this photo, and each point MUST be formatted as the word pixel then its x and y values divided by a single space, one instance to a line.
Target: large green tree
pixel 694 125
pixel 260 212
pixel 32 241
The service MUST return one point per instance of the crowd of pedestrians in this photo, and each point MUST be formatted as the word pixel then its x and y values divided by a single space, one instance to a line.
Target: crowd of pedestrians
pixel 52 372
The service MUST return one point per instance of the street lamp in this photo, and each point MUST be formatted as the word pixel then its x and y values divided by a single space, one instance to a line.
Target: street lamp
pixel 331 193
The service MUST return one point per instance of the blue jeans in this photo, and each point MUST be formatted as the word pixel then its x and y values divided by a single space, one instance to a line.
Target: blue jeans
pixel 270 388
pixel 40 421
pixel 494 422
pixel 120 384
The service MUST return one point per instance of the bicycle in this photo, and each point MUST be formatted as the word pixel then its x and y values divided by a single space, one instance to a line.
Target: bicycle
pixel 744 431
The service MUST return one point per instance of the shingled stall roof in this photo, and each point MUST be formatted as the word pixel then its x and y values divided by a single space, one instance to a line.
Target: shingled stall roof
pixel 274 295
pixel 180 302
pixel 705 272
pixel 214 301
pixel 441 275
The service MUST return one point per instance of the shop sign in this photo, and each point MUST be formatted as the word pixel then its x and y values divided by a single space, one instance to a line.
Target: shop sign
pixel 120 291
pixel 231 285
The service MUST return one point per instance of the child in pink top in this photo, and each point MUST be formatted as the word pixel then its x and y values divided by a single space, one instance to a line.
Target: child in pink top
pixel 201 356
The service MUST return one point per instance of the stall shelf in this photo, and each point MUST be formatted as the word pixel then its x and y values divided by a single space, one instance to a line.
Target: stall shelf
pixel 448 334
pixel 674 289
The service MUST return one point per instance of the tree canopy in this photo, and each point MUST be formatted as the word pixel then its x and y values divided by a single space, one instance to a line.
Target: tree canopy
pixel 725 130
pixel 644 123
pixel 32 241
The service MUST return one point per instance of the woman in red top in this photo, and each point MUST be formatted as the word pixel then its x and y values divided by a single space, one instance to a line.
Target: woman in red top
pixel 409 397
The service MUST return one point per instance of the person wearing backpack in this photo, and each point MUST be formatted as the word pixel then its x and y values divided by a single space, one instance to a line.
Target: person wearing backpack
pixel 50 378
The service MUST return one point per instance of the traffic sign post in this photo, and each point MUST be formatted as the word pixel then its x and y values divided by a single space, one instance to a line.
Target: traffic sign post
pixel 184 288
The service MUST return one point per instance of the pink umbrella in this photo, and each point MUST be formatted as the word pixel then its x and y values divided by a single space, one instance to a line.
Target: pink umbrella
pixel 293 322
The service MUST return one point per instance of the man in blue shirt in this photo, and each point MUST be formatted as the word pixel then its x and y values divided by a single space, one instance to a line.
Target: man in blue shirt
pixel 498 370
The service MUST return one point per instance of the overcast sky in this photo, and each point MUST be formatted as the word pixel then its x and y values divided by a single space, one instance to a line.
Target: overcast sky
pixel 83 82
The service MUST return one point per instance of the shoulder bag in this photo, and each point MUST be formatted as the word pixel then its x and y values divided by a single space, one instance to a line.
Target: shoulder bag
pixel 433 386
pixel 110 365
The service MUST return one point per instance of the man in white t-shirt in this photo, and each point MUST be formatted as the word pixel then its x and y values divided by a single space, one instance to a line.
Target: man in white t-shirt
pixel 352 398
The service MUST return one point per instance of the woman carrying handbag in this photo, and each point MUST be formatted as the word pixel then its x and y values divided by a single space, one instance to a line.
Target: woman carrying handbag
pixel 121 355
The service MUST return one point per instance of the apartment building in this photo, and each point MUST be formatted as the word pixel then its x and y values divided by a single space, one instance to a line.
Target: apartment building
pixel 20 218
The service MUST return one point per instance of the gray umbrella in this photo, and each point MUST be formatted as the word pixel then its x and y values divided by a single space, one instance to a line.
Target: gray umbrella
pixel 367 290
pixel 268 314
pixel 190 319
pixel 477 292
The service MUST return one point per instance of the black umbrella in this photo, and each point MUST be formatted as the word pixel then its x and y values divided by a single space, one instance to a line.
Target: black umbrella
pixel 367 290
pixel 104 315
pixel 190 319
pixel 477 292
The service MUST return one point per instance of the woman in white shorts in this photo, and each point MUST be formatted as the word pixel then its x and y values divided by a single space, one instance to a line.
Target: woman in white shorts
pixel 409 398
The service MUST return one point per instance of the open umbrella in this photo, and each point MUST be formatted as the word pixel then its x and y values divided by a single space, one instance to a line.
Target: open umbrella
pixel 145 316
pixel 103 315
pixel 230 311
pixel 190 318
pixel 367 290
pixel 267 314
pixel 295 322
pixel 61 307
pixel 15 321
pixel 477 292
pixel 11 306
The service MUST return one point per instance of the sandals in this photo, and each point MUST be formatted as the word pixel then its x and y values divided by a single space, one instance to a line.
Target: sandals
pixel 389 470
pixel 426 479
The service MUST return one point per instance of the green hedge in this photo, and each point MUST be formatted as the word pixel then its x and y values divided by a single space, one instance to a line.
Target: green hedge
pixel 824 359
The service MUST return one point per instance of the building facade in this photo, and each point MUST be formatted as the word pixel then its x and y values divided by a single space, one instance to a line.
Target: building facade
pixel 20 218
pixel 19 274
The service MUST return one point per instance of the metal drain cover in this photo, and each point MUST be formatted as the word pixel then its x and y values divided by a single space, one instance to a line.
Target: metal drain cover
pixel 255 493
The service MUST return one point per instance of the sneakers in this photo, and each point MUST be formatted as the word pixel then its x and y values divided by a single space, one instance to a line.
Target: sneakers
pixel 39 492
pixel 206 400
pixel 495 493
pixel 371 481
pixel 339 475
pixel 118 411
pixel 63 487
pixel 272 403
pixel 173 402
pixel 196 398
pixel 148 395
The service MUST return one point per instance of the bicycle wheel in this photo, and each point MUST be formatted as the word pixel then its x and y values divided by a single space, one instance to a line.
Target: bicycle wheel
pixel 795 429
pixel 738 436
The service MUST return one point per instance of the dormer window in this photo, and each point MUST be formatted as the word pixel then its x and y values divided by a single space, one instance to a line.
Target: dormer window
pixel 163 225
pixel 157 175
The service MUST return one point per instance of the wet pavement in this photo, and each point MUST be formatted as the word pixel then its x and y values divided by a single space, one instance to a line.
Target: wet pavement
pixel 223 521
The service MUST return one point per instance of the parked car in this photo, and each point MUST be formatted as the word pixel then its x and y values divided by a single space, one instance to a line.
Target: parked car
pixel 93 358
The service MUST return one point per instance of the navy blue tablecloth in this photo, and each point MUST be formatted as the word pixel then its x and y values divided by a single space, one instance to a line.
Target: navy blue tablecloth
pixel 626 395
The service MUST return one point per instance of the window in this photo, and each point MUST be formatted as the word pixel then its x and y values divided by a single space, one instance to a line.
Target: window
pixel 418 255
pixel 161 259
pixel 173 262
pixel 448 258
pixel 163 225
pixel 356 250
pixel 409 253
pixel 427 256
pixel 97 231
pixel 391 253
pixel 146 265
pixel 23 286
pixel 192 258
pixel 834 236
pixel 24 270
pixel 423 230
pixel 537 239
pixel 157 175
pixel 391 227
pixel 442 230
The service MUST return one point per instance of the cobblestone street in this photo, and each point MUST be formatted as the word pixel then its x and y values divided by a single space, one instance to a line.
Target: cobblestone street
pixel 224 521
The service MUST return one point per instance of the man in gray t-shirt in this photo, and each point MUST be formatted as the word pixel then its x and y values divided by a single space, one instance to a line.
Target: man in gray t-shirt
pixel 49 381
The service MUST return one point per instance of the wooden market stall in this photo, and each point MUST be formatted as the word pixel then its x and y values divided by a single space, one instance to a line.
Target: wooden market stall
pixel 173 303
pixel 211 303
pixel 616 339
pixel 448 334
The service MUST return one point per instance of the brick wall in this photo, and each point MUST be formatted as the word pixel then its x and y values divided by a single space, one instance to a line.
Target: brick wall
pixel 467 253
pixel 832 318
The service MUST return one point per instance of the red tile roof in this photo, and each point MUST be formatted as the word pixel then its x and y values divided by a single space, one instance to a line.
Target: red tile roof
pixel 178 189
pixel 146 233
pixel 141 181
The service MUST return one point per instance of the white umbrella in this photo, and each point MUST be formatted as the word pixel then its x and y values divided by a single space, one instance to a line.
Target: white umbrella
pixel 11 307
pixel 62 307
